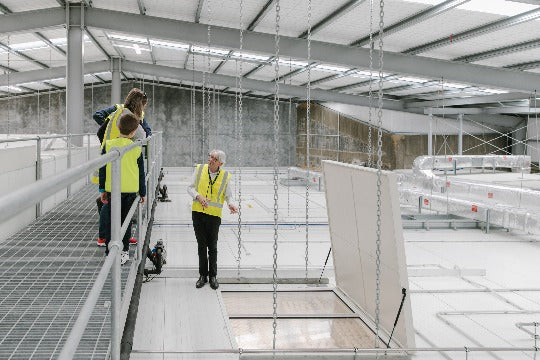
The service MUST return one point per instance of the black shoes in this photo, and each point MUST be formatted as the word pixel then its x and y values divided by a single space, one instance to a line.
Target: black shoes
pixel 200 283
pixel 203 280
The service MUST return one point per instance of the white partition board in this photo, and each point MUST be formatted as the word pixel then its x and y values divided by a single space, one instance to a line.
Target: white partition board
pixel 351 196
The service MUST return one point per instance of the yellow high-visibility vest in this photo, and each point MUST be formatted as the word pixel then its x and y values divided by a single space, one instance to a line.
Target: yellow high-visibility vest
pixel 112 132
pixel 129 176
pixel 213 191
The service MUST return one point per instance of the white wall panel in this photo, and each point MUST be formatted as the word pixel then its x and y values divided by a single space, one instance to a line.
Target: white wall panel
pixel 351 196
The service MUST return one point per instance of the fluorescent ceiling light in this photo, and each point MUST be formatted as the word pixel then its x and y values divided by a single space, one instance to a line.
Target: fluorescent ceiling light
pixel 455 85
pixel 493 91
pixel 249 56
pixel 133 39
pixel 10 88
pixel 170 45
pixel 292 63
pixel 331 68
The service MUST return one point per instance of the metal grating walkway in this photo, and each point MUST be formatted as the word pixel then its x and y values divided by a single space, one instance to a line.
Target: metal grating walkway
pixel 47 270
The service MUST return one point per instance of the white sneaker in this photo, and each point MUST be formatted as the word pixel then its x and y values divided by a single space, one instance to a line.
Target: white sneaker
pixel 124 257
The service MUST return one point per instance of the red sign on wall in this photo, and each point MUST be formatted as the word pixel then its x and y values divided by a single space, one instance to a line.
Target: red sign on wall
pixel 490 195
pixel 426 202
pixel 447 184
pixel 474 208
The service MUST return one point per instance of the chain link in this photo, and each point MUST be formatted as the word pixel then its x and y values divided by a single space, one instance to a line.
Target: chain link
pixel 192 109
pixel 379 180
pixel 371 44
pixel 288 169
pixel 240 135
pixel 208 88
pixel 276 153
pixel 308 123
pixel 9 84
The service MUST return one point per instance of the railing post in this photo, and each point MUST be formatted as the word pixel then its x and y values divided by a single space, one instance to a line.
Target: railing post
pixel 39 172
pixel 69 162
pixel 487 220
pixel 116 224
pixel 88 156
pixel 140 231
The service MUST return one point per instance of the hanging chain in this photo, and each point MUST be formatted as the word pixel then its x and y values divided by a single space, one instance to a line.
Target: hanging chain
pixel 8 85
pixel 276 149
pixel 208 87
pixel 240 135
pixel 288 169
pixel 371 44
pixel 379 180
pixel 308 123
pixel 536 125
pixel 39 114
pixel 49 110
pixel 192 107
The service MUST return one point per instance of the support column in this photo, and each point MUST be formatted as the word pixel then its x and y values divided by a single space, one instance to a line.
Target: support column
pixel 74 75
pixel 460 136
pixel 116 68
pixel 430 135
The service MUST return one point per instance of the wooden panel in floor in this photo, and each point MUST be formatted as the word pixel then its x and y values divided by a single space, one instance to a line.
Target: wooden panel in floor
pixel 292 302
pixel 175 316
pixel 303 333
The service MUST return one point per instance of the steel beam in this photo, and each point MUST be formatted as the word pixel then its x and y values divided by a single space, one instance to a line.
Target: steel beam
pixel 198 13
pixel 116 69
pixel 26 21
pixel 74 73
pixel 470 100
pixel 176 30
pixel 524 66
pixel 476 111
pixel 354 57
pixel 253 24
pixel 413 20
pixel 336 14
pixel 254 85
pixel 527 45
pixel 481 30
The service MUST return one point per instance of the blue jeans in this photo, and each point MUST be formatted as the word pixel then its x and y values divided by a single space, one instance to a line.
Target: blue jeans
pixel 126 200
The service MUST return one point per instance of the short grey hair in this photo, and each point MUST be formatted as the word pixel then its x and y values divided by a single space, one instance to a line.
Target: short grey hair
pixel 220 155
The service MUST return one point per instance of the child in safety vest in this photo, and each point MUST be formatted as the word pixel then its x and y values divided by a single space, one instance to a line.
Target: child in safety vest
pixel 132 180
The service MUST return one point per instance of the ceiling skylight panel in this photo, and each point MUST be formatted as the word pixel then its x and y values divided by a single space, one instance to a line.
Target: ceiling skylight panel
pixel 132 39
pixel 169 45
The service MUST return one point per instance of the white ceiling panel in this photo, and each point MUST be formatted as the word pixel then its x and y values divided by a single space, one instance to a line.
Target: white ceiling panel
pixel 172 9
pixel 129 6
pixel 504 37
pixel 226 13
pixel 230 68
pixel 511 59
pixel 438 27
pixel 27 5
pixel 294 16
pixel 355 24
pixel 169 56
pixel 48 56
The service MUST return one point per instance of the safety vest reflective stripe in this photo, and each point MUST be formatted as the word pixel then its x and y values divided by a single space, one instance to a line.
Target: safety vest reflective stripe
pixel 215 204
pixel 223 183
pixel 199 172
pixel 112 123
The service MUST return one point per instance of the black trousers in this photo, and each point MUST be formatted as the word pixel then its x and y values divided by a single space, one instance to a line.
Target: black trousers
pixel 126 200
pixel 206 231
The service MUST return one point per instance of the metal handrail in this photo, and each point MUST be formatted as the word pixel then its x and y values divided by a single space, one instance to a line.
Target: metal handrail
pixel 17 201
pixel 43 137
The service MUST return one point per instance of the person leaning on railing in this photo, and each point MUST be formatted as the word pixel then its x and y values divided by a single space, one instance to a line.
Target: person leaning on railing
pixel 132 180
pixel 107 119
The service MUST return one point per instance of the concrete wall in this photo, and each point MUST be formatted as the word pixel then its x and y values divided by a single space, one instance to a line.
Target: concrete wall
pixel 337 137
pixel 169 110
